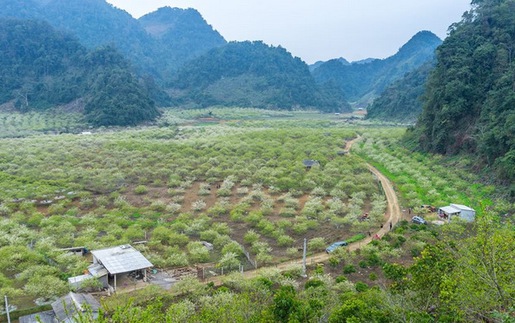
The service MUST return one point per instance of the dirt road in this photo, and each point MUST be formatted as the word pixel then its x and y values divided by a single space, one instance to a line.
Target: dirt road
pixel 392 216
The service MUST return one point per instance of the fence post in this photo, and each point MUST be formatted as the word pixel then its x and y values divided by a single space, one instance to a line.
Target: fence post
pixel 7 309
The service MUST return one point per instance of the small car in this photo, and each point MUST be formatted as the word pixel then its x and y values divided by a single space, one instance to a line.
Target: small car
pixel 335 245
pixel 418 220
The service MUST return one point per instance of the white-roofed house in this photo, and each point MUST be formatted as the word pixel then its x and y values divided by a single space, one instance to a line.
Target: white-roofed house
pixel 122 259
pixel 464 212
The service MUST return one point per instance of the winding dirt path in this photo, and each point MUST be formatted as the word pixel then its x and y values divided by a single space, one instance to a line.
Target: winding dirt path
pixel 392 216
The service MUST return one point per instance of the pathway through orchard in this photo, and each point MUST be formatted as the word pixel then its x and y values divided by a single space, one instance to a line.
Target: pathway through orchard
pixel 392 216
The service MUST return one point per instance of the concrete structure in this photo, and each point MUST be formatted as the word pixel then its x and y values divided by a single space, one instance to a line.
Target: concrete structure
pixel 464 212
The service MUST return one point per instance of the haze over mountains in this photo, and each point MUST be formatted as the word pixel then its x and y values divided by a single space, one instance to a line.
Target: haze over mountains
pixel 364 80
pixel 178 59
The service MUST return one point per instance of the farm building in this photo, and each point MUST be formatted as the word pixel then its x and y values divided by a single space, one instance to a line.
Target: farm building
pixel 119 260
pixel 111 262
pixel 308 163
pixel 464 212
pixel 65 309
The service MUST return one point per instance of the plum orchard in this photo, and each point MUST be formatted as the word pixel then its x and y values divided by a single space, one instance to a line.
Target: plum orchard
pixel 427 179
pixel 232 185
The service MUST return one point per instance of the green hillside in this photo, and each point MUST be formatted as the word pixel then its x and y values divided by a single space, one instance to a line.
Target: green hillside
pixel 180 35
pixel 42 68
pixel 402 100
pixel 365 80
pixel 97 23
pixel 256 75
pixel 470 94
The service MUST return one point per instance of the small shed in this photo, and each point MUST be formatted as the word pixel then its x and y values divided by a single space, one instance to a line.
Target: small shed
pixel 120 260
pixel 96 271
pixel 41 317
pixel 308 163
pixel 65 309
pixel 464 212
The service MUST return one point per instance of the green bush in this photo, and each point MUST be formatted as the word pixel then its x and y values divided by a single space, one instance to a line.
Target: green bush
pixel 349 269
pixel 357 237
pixel 361 287
pixel 340 279
pixel 374 260
pixel 314 283
pixel 141 189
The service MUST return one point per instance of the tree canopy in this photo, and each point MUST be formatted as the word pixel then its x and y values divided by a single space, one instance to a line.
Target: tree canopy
pixel 254 74
pixel 470 97
pixel 402 100
pixel 42 68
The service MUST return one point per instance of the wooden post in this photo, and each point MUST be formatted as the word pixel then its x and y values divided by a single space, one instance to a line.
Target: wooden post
pixel 115 283
pixel 304 274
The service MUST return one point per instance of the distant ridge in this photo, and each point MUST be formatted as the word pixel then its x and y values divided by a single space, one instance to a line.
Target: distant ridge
pixel 97 23
pixel 401 101
pixel 364 80
pixel 253 74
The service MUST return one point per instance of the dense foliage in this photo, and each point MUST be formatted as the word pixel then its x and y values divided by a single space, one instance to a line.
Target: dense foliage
pixel 38 65
pixel 257 75
pixel 402 100
pixel 470 94
pixel 42 68
pixel 180 35
pixel 234 185
pixel 363 81
pixel 116 96
pixel 157 44
pixel 242 183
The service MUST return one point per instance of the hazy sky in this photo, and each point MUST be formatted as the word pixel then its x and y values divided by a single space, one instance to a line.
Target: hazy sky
pixel 321 29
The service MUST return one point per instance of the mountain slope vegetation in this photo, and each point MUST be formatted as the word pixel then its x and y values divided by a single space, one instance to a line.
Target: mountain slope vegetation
pixel 363 81
pixel 97 23
pixel 253 74
pixel 42 68
pixel 181 35
pixel 402 100
pixel 470 103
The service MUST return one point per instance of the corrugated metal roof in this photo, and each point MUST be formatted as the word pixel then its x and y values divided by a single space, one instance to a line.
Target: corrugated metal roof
pixel 450 210
pixel 67 306
pixel 41 317
pixel 78 279
pixel 121 259
pixel 97 270
pixel 462 207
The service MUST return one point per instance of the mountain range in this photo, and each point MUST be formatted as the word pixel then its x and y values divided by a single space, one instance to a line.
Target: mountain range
pixel 361 82
pixel 178 59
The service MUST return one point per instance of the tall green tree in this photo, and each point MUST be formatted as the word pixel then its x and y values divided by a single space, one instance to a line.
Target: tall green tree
pixel 470 98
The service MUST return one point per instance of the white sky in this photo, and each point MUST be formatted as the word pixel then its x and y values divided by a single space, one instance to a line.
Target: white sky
pixel 321 29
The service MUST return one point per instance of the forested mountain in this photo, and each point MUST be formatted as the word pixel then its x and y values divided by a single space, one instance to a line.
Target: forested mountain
pixel 363 81
pixel 41 68
pixel 316 65
pixel 470 94
pixel 183 34
pixel 253 74
pixel 402 100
